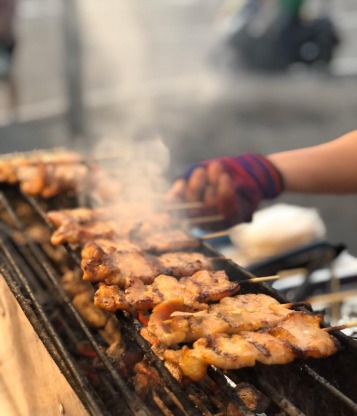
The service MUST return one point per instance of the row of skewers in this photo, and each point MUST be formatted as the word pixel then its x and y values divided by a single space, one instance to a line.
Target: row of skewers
pixel 145 263
pixel 181 299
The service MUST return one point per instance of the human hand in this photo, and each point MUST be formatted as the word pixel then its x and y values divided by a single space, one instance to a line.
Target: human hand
pixel 230 186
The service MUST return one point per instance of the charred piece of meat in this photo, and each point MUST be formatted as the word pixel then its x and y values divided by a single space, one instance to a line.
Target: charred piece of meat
pixel 50 179
pixel 128 267
pixel 172 322
pixel 298 335
pixel 169 240
pixel 83 225
pixel 11 166
pixel 193 291
pixel 108 261
pixel 145 235
pixel 84 215
pixel 44 173
pixel 53 172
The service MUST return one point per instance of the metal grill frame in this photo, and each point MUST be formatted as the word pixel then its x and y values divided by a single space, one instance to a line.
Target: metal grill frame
pixel 13 271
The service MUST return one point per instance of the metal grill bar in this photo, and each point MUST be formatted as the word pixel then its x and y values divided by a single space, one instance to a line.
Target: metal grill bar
pixel 218 376
pixel 46 333
pixel 333 391
pixel 174 386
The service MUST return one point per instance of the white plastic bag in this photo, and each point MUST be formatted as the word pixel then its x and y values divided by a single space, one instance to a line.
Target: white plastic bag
pixel 275 230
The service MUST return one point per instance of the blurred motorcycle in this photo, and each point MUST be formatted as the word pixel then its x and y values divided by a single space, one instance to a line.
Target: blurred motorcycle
pixel 271 35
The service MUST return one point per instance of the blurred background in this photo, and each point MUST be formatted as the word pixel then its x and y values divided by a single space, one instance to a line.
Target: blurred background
pixel 209 77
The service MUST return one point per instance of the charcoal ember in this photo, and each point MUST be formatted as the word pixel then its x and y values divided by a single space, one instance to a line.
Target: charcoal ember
pixel 146 377
pixel 85 348
pixel 255 400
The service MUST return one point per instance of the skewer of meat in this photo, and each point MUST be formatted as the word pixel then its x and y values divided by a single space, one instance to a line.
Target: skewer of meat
pixel 112 262
pixel 298 335
pixel 170 240
pixel 11 164
pixel 129 267
pixel 44 173
pixel 84 215
pixel 202 286
pixel 155 234
pixel 135 294
pixel 48 180
pixel 47 173
pixel 124 209
pixel 154 230
pixel 173 322
pixel 82 225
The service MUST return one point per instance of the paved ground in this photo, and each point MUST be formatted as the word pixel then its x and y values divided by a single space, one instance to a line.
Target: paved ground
pixel 148 70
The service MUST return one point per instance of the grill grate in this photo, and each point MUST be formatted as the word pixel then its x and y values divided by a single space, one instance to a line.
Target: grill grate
pixel 32 276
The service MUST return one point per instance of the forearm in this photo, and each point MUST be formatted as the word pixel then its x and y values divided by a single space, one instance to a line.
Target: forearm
pixel 327 168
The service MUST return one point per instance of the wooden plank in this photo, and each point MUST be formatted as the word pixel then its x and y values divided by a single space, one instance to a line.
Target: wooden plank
pixel 7 407
pixel 33 380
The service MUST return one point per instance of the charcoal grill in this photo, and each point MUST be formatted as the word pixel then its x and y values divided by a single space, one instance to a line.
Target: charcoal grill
pixel 96 385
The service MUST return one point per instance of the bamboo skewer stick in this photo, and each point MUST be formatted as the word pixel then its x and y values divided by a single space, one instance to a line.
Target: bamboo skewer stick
pixel 217 234
pixel 294 304
pixel 183 205
pixel 263 279
pixel 340 327
pixel 204 220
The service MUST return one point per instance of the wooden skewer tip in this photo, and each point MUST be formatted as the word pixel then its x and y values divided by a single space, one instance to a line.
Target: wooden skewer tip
pixel 218 234
pixel 340 327
pixel 295 304
pixel 263 279
pixel 183 205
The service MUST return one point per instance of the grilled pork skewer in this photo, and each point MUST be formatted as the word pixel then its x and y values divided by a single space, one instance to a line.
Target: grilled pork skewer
pixel 188 294
pixel 84 215
pixel 124 209
pixel 114 262
pixel 201 287
pixel 12 163
pixel 46 174
pixel 170 240
pixel 48 180
pixel 128 267
pixel 173 322
pixel 298 335
pixel 154 232
pixel 82 231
